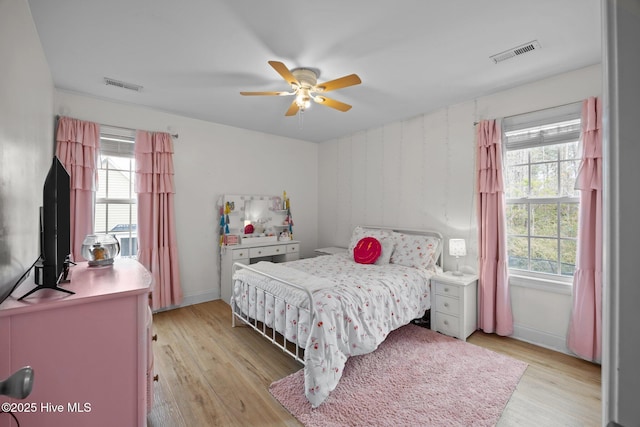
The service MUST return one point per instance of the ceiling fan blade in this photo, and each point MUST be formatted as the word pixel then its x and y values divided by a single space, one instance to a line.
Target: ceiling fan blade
pixel 293 109
pixel 346 81
pixel 267 93
pixel 341 106
pixel 284 72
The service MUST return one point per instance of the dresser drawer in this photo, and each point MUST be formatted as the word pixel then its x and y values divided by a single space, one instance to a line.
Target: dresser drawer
pixel 240 254
pixel 267 251
pixel 448 290
pixel 447 324
pixel 447 305
pixel 293 248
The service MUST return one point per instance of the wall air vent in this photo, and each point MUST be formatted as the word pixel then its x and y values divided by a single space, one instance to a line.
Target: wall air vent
pixel 516 51
pixel 124 85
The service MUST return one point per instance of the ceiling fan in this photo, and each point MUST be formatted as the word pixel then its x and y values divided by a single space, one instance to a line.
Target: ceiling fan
pixel 304 85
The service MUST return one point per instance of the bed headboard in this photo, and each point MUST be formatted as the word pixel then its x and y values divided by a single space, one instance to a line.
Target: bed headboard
pixel 417 231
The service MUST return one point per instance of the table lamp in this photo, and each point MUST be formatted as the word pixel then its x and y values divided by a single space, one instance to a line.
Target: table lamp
pixel 457 248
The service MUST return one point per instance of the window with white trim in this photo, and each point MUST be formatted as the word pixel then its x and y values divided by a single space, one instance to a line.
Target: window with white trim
pixel 115 199
pixel 542 158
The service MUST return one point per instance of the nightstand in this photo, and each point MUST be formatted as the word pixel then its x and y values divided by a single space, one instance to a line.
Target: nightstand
pixel 454 309
pixel 332 250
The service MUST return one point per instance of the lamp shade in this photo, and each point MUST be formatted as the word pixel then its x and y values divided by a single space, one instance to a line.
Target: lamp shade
pixel 457 247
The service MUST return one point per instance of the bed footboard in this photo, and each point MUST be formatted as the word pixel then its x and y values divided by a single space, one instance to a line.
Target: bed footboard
pixel 271 333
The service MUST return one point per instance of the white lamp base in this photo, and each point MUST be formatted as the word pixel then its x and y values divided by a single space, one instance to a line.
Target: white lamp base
pixel 457 272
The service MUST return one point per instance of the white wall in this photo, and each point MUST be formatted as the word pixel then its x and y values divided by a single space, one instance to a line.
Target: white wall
pixel 211 160
pixel 420 173
pixel 621 151
pixel 26 138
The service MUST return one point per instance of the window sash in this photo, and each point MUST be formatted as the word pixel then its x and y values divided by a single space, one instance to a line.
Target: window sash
pixel 545 132
pixel 118 143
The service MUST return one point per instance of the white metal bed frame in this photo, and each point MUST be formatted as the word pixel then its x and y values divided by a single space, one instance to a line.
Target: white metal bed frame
pixel 236 312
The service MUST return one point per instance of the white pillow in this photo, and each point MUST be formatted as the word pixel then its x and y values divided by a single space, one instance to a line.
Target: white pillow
pixel 388 245
pixel 417 251
pixel 360 233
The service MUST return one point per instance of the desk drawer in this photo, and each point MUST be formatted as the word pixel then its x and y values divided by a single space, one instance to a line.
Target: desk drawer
pixel 267 251
pixel 447 305
pixel 240 254
pixel 448 290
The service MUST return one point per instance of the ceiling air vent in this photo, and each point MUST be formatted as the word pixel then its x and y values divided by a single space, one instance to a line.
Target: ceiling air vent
pixel 516 51
pixel 124 85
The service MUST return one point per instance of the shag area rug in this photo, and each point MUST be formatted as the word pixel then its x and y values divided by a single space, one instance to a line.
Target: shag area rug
pixel 416 377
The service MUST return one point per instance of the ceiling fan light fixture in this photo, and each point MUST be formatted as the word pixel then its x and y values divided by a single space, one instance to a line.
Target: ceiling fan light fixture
pixel 303 99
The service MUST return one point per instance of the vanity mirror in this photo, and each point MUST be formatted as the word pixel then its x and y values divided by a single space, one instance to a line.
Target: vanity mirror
pixel 253 219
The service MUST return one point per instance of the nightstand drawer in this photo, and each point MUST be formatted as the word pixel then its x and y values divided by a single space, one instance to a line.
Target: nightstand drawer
pixel 447 305
pixel 447 324
pixel 267 251
pixel 448 290
pixel 293 247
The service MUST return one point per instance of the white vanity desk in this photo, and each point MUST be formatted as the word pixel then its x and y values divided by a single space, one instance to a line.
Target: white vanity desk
pixel 249 253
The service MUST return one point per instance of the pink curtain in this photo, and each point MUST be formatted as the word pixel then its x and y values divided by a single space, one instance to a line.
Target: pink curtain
pixel 157 242
pixel 494 303
pixel 78 143
pixel 585 327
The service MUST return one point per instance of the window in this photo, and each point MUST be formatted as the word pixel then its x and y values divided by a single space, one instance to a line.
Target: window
pixel 542 159
pixel 116 202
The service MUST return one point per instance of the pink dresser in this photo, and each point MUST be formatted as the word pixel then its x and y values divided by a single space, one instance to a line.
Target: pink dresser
pixel 90 351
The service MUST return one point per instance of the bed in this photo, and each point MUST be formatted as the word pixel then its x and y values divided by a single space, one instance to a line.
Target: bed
pixel 325 309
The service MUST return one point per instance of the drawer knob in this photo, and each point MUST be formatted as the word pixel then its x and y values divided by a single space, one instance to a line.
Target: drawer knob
pixel 446 304
pixel 446 322
pixel 259 252
pixel 154 337
pixel 278 250
pixel 155 377
pixel 446 289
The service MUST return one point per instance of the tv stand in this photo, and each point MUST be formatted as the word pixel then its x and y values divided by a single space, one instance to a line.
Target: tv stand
pixel 62 279
pixel 38 287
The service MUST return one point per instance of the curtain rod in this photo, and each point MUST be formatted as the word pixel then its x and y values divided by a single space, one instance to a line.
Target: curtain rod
pixel 173 135
pixel 539 109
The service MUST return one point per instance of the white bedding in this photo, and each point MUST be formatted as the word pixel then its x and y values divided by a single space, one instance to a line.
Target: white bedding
pixel 355 307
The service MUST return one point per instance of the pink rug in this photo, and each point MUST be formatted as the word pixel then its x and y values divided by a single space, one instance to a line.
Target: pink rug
pixel 416 377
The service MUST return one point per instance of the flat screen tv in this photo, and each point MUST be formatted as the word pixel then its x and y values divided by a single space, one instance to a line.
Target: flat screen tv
pixel 55 230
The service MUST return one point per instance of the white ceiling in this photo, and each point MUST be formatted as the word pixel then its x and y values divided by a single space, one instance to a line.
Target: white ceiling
pixel 193 57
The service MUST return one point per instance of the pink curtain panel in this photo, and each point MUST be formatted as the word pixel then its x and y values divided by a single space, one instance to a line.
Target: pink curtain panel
pixel 584 337
pixel 157 242
pixel 494 302
pixel 78 143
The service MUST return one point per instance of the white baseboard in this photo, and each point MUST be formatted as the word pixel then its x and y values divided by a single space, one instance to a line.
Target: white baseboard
pixel 194 299
pixel 541 339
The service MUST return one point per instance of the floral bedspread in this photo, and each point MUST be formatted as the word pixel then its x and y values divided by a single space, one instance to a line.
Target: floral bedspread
pixel 354 316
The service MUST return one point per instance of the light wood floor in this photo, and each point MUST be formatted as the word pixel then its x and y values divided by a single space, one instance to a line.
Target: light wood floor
pixel 211 374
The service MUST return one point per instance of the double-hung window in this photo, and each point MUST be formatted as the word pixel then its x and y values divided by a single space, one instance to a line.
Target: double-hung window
pixel 115 200
pixel 542 158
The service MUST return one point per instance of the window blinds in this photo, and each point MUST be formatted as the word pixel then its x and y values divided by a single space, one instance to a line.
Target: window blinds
pixel 545 127
pixel 117 141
